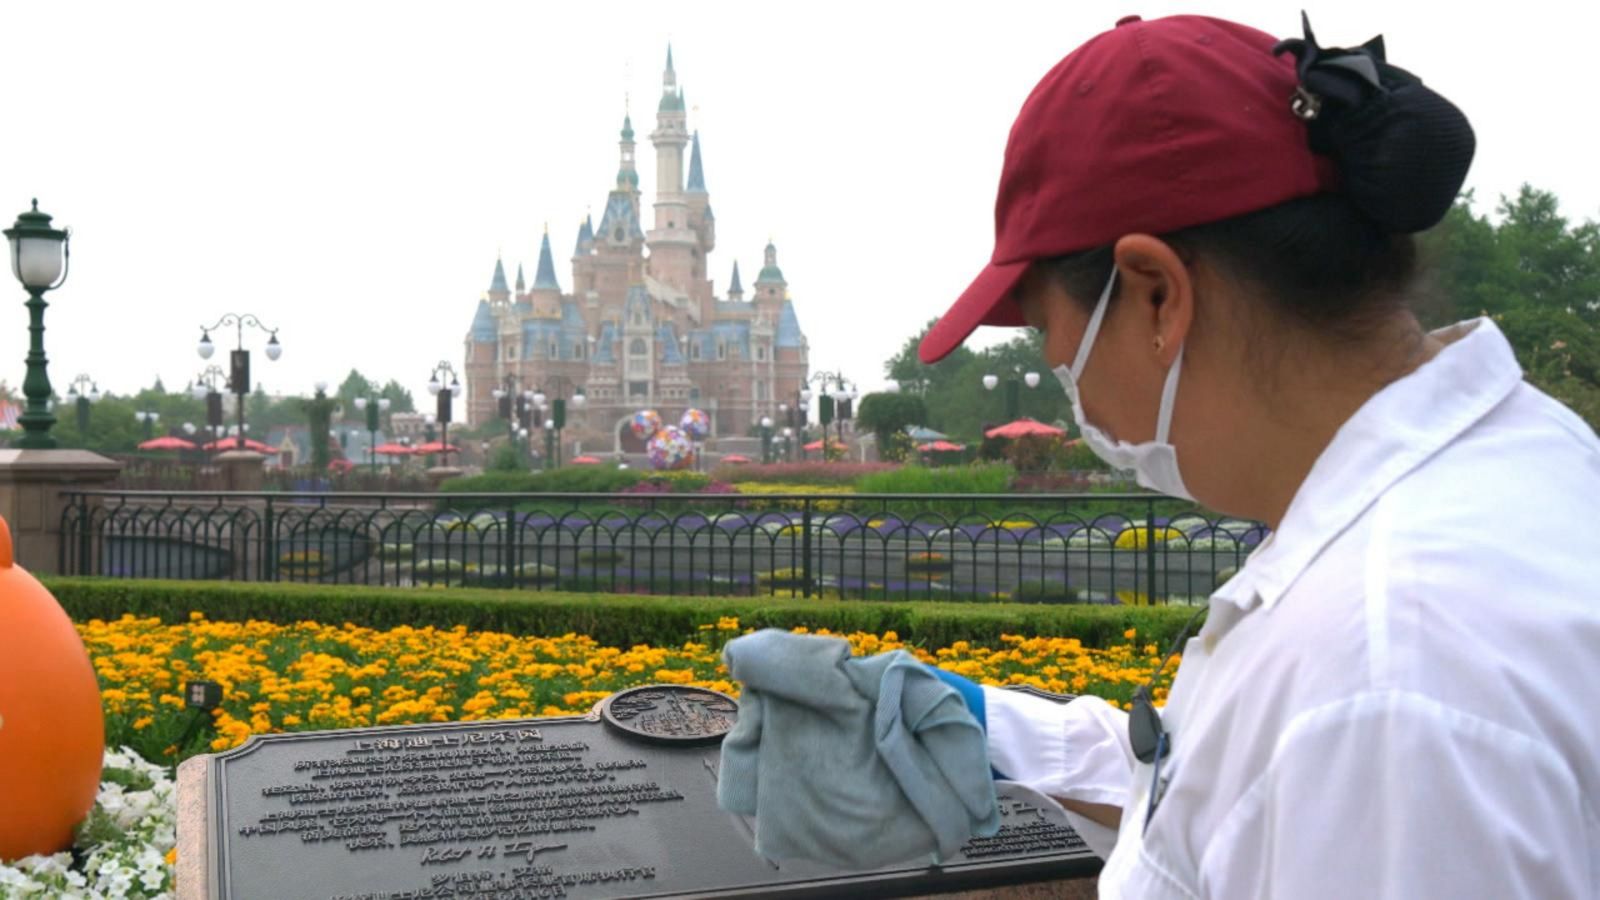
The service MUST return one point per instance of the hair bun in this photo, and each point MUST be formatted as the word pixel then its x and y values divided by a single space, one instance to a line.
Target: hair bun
pixel 1403 151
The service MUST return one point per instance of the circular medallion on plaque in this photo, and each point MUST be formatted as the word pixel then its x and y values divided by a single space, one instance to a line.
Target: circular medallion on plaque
pixel 671 713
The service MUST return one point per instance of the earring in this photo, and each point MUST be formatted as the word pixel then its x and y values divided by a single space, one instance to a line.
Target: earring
pixel 1159 343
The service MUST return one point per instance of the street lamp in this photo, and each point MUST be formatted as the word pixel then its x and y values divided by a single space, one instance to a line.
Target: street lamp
pixel 833 405
pixel 149 418
pixel 443 394
pixel 1013 388
pixel 558 413
pixel 239 373
pixel 766 440
pixel 207 388
pixel 83 392
pixel 372 406
pixel 788 444
pixel 39 259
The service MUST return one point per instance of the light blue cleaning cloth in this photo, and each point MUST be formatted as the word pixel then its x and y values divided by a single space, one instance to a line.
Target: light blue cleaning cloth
pixel 852 762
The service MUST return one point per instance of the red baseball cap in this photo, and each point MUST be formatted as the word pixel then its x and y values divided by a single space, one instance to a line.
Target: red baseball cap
pixel 1148 128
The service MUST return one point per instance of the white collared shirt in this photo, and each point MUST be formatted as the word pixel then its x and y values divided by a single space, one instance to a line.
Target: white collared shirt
pixel 1396 695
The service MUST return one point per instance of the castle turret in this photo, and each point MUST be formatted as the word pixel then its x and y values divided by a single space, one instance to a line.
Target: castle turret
pixel 521 286
pixel 675 256
pixel 546 292
pixel 735 289
pixel 499 292
pixel 769 283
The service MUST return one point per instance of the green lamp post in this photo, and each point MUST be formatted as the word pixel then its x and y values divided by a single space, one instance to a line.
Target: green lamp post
pixel 1013 389
pixel 39 259
pixel 83 392
pixel 373 406
pixel 766 440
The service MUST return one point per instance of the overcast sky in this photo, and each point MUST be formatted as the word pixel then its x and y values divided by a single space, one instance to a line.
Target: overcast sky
pixel 348 171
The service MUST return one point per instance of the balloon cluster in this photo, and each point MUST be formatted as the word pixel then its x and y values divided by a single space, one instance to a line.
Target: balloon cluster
pixel 670 447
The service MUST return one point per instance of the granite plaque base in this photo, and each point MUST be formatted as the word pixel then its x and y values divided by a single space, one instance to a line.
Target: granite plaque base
pixel 564 807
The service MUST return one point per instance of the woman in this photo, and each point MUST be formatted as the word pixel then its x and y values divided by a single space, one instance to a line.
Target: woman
pixel 1213 233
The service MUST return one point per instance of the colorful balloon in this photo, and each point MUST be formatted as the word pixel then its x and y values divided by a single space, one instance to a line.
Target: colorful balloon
pixel 646 422
pixel 695 423
pixel 670 449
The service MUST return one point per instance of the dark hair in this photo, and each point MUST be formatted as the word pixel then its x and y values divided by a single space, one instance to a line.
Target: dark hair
pixel 1318 261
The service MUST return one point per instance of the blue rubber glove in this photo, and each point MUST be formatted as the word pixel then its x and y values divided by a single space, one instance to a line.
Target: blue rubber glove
pixel 971 694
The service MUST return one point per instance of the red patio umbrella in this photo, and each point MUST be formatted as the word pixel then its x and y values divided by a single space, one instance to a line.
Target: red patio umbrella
pixel 941 447
pixel 585 461
pixel 392 449
pixel 340 465
pixel 232 443
pixel 736 459
pixel 1024 428
pixel 433 447
pixel 817 445
pixel 166 442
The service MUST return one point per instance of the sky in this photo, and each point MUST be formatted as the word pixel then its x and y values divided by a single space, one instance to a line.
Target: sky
pixel 348 171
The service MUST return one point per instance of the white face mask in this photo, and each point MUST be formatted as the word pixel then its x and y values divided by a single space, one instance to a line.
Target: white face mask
pixel 1154 463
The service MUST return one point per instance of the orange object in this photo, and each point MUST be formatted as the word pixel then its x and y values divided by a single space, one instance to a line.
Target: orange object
pixel 52 731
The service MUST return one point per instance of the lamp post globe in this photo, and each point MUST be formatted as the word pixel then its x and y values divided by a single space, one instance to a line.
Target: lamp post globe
pixel 383 404
pixel 434 387
pixel 361 404
pixel 990 382
pixel 274 349
pixel 205 348
pixel 1031 379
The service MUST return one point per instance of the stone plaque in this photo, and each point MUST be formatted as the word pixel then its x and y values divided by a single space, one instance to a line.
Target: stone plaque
pixel 618 803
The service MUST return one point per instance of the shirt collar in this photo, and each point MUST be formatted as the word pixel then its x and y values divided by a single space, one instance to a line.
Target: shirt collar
pixel 1397 429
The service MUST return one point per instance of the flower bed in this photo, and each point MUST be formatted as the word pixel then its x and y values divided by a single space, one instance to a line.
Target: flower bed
pixel 310 676
pixel 125 848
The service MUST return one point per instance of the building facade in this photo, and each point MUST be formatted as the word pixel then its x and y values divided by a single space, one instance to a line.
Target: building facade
pixel 640 325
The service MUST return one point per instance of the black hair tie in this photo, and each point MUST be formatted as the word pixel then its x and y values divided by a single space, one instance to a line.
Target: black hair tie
pixel 1403 151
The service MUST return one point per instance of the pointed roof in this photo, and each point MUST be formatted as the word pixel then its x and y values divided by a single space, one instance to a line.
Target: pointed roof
pixel 483 326
pixel 545 278
pixel 789 333
pixel 697 175
pixel 498 282
pixel 585 237
pixel 627 127
pixel 734 287
pixel 669 57
pixel 521 285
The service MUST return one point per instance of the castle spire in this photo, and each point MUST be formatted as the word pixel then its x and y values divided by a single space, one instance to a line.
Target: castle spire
pixel 520 285
pixel 735 289
pixel 498 282
pixel 544 279
pixel 585 237
pixel 697 176
pixel 627 175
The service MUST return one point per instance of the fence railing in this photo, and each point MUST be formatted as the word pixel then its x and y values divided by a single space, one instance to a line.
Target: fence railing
pixel 1129 548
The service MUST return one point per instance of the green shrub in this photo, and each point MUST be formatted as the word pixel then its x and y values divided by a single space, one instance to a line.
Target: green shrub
pixel 611 619
pixel 1044 592
pixel 601 557
pixel 982 479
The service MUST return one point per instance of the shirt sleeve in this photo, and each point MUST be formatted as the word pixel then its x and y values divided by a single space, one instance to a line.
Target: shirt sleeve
pixel 1393 795
pixel 1076 751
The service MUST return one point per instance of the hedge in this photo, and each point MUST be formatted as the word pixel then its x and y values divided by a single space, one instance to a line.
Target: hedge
pixel 612 619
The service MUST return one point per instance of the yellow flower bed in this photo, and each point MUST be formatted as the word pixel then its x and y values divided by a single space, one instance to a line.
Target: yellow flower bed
pixel 754 488
pixel 1137 537
pixel 311 676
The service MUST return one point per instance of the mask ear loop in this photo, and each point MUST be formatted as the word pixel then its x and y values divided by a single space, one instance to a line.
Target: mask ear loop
pixel 1087 344
pixel 1169 399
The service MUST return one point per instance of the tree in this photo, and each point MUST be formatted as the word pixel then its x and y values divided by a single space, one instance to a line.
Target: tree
pixel 319 418
pixel 354 385
pixel 887 416
pixel 399 398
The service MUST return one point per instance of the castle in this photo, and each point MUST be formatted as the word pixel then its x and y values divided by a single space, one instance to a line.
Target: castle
pixel 641 330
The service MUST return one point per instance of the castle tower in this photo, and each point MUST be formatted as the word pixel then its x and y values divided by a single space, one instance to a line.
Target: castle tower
pixel 499 292
pixel 735 289
pixel 545 295
pixel 770 286
pixel 674 251
pixel 618 260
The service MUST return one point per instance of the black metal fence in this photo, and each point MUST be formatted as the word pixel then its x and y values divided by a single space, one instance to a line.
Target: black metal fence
pixel 1111 548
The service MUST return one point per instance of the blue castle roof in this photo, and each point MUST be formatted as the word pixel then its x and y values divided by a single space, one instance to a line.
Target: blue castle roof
pixel 483 327
pixel 608 336
pixel 545 278
pixel 789 334
pixel 498 282
pixel 697 175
